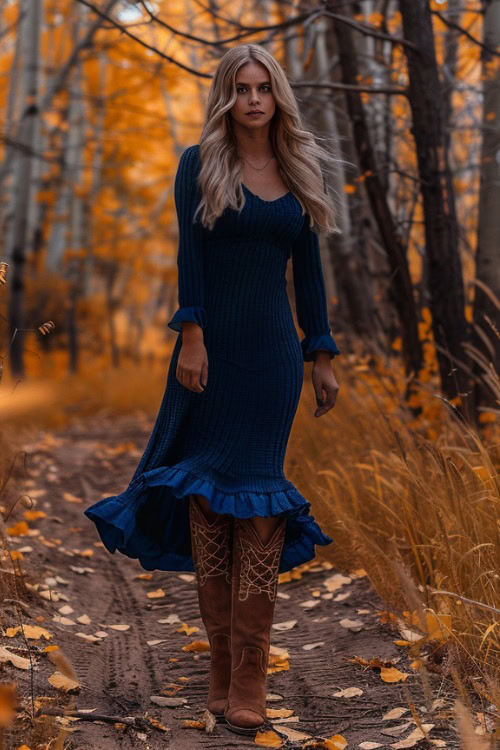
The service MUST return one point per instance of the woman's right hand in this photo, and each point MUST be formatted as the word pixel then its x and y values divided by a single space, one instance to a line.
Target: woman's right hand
pixel 192 364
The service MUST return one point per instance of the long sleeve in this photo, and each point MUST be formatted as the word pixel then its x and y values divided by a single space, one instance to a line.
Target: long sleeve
pixel 310 294
pixel 189 257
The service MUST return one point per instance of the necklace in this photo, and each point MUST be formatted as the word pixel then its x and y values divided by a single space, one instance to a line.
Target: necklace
pixel 258 169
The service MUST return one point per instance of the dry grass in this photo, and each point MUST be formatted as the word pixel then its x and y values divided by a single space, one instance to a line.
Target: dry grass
pixel 421 514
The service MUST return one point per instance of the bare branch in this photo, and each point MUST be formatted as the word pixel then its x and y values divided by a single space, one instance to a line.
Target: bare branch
pixel 465 32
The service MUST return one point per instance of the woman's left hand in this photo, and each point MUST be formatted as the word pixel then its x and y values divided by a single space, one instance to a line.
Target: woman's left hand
pixel 324 382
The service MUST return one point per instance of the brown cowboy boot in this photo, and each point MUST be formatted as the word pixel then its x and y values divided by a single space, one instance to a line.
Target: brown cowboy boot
pixel 211 544
pixel 255 584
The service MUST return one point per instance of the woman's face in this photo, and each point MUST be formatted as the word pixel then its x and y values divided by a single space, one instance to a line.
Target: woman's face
pixel 253 89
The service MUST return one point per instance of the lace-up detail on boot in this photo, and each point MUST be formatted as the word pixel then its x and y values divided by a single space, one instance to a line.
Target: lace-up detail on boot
pixel 258 567
pixel 211 546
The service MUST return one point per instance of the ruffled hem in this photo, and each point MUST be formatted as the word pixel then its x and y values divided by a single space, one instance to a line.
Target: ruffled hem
pixel 146 523
pixel 324 341
pixel 194 314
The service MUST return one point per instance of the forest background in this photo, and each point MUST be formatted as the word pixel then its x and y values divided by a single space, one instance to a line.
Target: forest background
pixel 98 101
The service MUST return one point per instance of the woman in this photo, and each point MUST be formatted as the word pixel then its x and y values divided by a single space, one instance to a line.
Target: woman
pixel 209 493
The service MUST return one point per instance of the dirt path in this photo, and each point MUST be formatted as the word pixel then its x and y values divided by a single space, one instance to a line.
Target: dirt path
pixel 120 671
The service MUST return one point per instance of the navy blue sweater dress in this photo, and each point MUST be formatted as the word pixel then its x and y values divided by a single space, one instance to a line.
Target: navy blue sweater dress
pixel 228 442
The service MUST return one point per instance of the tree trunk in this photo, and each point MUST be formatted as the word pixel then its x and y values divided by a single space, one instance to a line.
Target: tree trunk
pixel 401 290
pixel 486 310
pixel 16 238
pixel 441 227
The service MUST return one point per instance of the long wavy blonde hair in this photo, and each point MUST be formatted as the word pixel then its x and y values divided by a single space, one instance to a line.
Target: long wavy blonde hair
pixel 297 151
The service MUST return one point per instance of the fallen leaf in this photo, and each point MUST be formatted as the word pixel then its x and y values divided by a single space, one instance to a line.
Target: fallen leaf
pixel 413 738
pixel 87 637
pixel 192 724
pixel 279 713
pixel 309 646
pixel 17 661
pixel 188 630
pixel 82 571
pixel 170 620
pixel 293 734
pixel 395 713
pixel 84 619
pixel 369 745
pixel 341 597
pixel 273 697
pixel 197 646
pixel 70 498
pixel 66 609
pixel 336 742
pixel 144 576
pixel 310 603
pixel 157 594
pixel 396 731
pixel 391 674
pixel 162 700
pixel 32 515
pixel 120 627
pixel 19 529
pixel 157 724
pixel 156 641
pixel 63 620
pixel 188 577
pixel 268 739
pixel 354 625
pixel 287 625
pixel 335 582
pixel 101 634
pixel 61 682
pixel 30 631
pixel 348 692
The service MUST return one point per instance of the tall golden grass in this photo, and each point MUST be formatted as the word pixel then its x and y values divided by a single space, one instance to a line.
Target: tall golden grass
pixel 420 514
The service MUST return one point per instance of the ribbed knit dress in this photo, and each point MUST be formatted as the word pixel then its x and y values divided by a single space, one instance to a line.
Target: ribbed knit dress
pixel 228 442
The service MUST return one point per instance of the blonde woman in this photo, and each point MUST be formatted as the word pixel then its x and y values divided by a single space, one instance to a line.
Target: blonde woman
pixel 209 493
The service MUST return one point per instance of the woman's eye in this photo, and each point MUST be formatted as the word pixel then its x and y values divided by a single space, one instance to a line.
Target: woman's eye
pixel 242 89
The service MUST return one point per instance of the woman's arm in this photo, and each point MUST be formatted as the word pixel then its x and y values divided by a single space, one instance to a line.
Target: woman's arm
pixel 310 295
pixel 191 317
pixel 189 257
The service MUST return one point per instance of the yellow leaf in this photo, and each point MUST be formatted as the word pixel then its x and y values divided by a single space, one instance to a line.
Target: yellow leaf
pixel 350 189
pixel 30 631
pixel 185 628
pixel 336 742
pixel 19 529
pixel 391 674
pixel 32 515
pixel 438 625
pixel 197 646
pixel 268 739
pixel 157 594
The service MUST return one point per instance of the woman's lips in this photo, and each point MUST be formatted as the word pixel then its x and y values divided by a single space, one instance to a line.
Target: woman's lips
pixel 255 114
